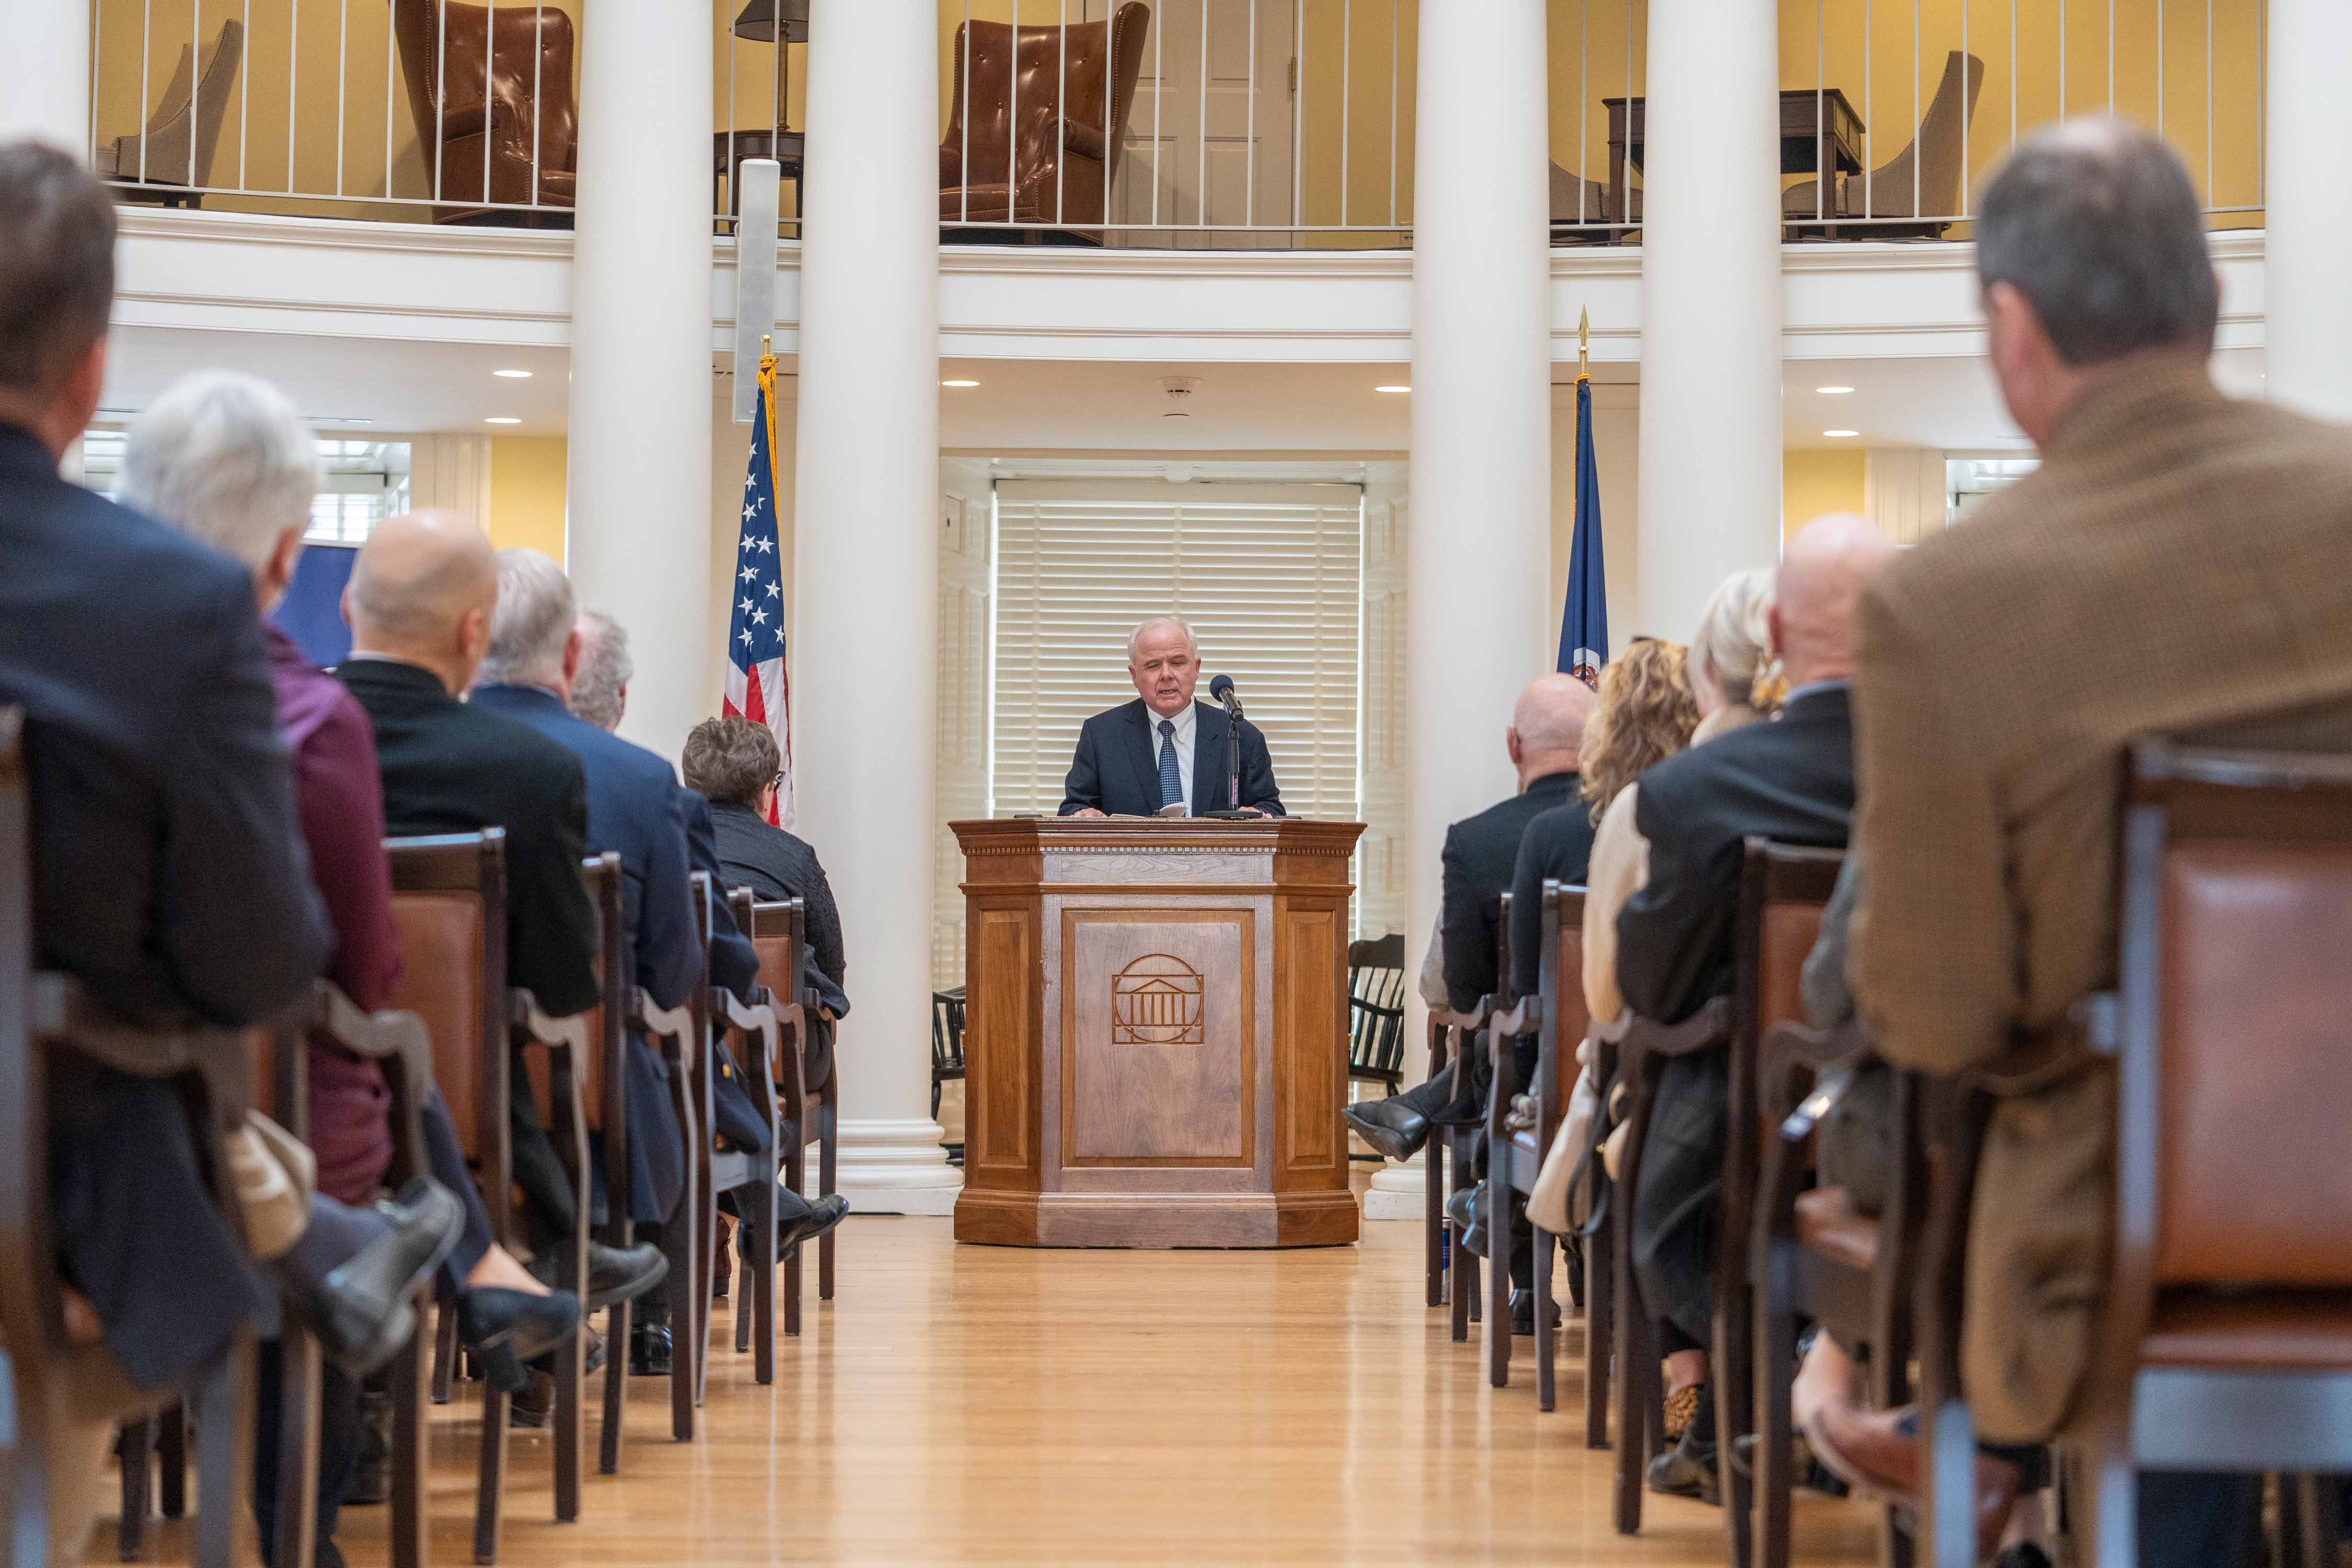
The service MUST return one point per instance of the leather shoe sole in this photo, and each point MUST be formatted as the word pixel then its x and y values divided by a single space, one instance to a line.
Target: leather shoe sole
pixel 823 1214
pixel 1401 1141
pixel 363 1312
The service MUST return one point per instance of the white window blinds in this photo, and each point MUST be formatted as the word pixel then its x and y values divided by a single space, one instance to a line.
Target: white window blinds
pixel 1270 577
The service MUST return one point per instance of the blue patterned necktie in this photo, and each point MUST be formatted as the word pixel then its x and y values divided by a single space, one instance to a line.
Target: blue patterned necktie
pixel 1172 782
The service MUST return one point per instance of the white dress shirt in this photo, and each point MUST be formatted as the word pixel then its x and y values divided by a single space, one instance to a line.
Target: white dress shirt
pixel 1186 724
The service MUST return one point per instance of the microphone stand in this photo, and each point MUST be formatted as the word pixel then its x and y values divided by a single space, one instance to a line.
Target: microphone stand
pixel 1233 759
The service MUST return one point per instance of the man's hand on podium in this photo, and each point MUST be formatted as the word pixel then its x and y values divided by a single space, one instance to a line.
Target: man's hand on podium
pixel 1085 811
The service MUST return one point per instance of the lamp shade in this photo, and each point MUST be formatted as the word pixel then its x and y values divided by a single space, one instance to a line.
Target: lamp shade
pixel 757 21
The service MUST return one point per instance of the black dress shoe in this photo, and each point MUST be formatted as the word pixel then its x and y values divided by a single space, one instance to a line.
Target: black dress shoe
pixel 798 1220
pixel 1467 1211
pixel 1522 1313
pixel 370 1478
pixel 649 1350
pixel 534 1405
pixel 1396 1130
pixel 361 1312
pixel 615 1273
pixel 1688 1469
pixel 529 1325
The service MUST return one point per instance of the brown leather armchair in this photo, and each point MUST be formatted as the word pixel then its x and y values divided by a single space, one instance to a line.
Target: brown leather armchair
pixel 477 96
pixel 1038 141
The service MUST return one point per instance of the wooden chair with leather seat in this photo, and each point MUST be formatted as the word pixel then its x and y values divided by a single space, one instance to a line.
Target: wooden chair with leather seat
pixel 749 1173
pixel 2226 1343
pixel 449 900
pixel 1555 1015
pixel 489 88
pixel 1450 1157
pixel 807 1114
pixel 1038 142
pixel 58 1384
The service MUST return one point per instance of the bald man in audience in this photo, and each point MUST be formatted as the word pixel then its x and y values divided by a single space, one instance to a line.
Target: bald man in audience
pixel 1791 780
pixel 1547 730
pixel 420 602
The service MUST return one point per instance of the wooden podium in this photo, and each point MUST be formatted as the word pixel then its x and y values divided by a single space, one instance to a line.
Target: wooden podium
pixel 1155 1032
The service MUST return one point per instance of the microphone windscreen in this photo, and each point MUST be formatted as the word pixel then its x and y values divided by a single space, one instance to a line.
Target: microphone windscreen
pixel 1220 686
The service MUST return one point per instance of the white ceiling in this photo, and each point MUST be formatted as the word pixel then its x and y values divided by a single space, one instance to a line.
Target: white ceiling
pixel 1046 407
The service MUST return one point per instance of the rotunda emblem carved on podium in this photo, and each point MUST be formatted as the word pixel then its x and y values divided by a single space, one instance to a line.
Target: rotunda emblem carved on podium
pixel 1156 1001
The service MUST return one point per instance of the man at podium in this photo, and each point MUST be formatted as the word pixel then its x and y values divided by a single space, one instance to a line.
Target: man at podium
pixel 1163 749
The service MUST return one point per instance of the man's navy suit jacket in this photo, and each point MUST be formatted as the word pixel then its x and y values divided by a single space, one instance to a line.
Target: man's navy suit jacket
pixel 633 810
pixel 1116 769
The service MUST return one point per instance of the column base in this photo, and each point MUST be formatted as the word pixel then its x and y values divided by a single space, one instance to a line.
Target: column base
pixel 896 1167
pixel 1397 1191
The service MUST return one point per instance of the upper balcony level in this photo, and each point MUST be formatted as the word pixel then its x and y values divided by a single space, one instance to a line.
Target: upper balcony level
pixel 1222 125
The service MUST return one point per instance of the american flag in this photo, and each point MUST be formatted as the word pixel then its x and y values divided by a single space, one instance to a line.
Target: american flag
pixel 757 686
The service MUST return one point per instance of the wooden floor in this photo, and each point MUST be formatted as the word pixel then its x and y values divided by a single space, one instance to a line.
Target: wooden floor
pixel 965 1404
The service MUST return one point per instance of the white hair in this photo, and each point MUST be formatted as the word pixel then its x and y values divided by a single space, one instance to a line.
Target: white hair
pixel 600 687
pixel 1732 649
pixel 535 619
pixel 224 457
pixel 1135 637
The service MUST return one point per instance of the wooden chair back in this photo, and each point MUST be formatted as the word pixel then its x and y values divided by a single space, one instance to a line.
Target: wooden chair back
pixel 485 84
pixel 1376 1009
pixel 1038 120
pixel 449 900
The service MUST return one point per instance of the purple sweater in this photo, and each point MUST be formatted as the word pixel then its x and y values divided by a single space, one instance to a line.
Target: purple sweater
pixel 341 799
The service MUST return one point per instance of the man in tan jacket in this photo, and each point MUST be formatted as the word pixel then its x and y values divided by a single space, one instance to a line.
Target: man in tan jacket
pixel 2181 563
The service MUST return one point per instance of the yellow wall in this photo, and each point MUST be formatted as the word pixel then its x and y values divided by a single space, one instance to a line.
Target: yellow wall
pixel 527 493
pixel 1816 482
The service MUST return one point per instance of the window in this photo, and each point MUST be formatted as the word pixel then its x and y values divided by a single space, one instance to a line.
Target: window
pixel 1968 480
pixel 360 483
pixel 1270 577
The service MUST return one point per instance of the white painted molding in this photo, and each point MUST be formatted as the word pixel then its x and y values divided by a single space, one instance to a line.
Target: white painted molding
pixel 1398 1191
pixel 894 1167
pixel 423 282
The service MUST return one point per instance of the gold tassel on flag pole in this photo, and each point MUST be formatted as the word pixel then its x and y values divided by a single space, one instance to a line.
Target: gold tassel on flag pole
pixel 768 401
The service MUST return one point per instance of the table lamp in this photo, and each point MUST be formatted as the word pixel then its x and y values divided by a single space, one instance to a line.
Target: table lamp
pixel 757 21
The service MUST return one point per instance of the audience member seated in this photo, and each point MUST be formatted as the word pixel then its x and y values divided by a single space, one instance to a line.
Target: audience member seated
pixel 733 765
pixel 2179 563
pixel 225 458
pixel 168 871
pixel 1791 780
pixel 1481 852
pixel 419 603
pixel 634 809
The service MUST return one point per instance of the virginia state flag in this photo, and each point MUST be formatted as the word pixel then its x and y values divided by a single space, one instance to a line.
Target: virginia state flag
pixel 1584 623
pixel 757 686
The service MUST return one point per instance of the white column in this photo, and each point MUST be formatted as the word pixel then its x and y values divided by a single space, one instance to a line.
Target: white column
pixel 2307 310
pixel 1477 626
pixel 864 672
pixel 1710 468
pixel 638 471
pixel 45 72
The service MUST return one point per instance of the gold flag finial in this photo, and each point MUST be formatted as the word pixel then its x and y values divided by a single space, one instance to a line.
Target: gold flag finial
pixel 1584 345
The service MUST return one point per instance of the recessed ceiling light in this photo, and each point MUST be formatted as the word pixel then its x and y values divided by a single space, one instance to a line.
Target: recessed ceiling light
pixel 1392 389
pixel 1834 390
pixel 501 419
pixel 959 383
pixel 1840 434
pixel 512 374
pixel 1175 416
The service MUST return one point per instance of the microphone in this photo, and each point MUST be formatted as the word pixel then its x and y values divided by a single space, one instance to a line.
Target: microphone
pixel 1221 687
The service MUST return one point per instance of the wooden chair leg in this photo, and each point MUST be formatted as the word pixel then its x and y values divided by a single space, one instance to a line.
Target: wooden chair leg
pixel 172 1460
pixel 1499 1270
pixel 1599 1333
pixel 796 1178
pixel 1546 1344
pixel 1774 1355
pixel 748 1199
pixel 570 1425
pixel 757 1293
pixel 1432 1218
pixel 1736 1378
pixel 136 1446
pixel 616 1386
pixel 828 1157
pixel 225 1398
pixel 706 1278
pixel 297 1524
pixel 1633 1350
pixel 678 1242
pixel 1463 1266
pixel 445 1353
pixel 490 1478
pixel 411 1518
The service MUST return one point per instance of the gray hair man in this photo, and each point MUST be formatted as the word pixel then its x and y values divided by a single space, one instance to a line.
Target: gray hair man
pixel 224 456
pixel 1165 754
pixel 2181 561
pixel 600 689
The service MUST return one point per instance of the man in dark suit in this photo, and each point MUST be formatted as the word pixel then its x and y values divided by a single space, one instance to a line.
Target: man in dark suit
pixel 636 809
pixel 1163 749
pixel 420 601
pixel 1791 780
pixel 1480 856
